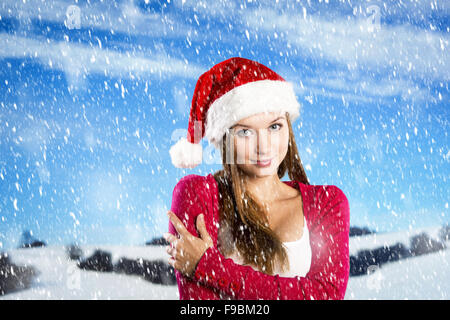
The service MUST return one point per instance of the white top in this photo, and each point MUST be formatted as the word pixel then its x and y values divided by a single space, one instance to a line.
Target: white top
pixel 298 252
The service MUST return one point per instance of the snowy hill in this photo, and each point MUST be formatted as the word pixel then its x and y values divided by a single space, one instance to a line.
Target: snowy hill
pixel 422 277
pixel 60 278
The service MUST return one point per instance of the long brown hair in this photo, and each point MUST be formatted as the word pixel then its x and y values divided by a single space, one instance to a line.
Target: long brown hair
pixel 246 218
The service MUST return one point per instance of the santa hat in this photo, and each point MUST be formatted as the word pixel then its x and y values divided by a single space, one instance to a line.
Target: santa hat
pixel 230 91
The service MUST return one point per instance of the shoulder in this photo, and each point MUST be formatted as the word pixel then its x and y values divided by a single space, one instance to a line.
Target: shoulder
pixel 191 178
pixel 193 188
pixel 190 197
pixel 333 193
pixel 321 194
pixel 327 201
pixel 191 182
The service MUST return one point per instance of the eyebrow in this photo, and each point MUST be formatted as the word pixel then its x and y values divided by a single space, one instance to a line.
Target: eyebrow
pixel 243 125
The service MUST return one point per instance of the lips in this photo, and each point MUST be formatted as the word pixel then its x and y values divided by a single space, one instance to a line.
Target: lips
pixel 263 163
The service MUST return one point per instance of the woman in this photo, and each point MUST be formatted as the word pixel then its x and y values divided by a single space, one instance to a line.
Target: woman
pixel 242 233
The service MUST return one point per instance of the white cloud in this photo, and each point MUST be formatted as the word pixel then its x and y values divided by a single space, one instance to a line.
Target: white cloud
pixel 360 88
pixel 215 9
pixel 381 64
pixel 397 49
pixel 366 67
pixel 112 16
pixel 77 60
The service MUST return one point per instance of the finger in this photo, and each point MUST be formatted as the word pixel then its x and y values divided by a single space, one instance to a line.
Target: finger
pixel 171 262
pixel 201 227
pixel 171 251
pixel 179 226
pixel 176 264
pixel 174 252
pixel 170 238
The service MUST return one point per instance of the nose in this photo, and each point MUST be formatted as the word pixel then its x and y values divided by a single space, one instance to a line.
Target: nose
pixel 263 143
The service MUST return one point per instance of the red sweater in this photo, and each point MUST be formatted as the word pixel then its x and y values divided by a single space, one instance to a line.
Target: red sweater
pixel 326 212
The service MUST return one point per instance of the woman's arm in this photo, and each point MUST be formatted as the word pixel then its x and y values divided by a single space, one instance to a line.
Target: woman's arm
pixel 189 199
pixel 327 278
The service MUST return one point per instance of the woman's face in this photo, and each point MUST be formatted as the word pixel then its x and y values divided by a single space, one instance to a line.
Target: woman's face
pixel 258 138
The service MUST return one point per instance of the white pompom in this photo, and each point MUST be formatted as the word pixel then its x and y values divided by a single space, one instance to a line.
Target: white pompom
pixel 185 154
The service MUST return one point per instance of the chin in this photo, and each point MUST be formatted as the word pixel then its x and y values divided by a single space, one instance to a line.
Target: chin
pixel 253 170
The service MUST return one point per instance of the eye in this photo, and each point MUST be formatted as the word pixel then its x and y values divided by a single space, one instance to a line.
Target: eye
pixel 242 133
pixel 277 124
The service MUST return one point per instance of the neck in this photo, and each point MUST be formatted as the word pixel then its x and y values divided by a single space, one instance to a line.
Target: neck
pixel 264 188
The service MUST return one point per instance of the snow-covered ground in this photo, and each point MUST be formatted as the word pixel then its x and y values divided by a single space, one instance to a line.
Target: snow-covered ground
pixel 423 277
pixel 60 278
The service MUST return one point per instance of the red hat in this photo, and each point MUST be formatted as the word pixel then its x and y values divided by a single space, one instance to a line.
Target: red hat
pixel 230 91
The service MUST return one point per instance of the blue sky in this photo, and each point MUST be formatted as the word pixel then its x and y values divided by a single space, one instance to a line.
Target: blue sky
pixel 89 110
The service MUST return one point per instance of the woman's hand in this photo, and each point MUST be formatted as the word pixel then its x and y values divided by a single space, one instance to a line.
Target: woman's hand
pixel 187 250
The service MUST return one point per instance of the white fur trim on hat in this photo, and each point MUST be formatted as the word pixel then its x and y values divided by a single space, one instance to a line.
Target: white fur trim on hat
pixel 185 154
pixel 247 100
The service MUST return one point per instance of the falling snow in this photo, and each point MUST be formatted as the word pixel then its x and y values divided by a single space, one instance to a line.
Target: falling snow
pixel 93 94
